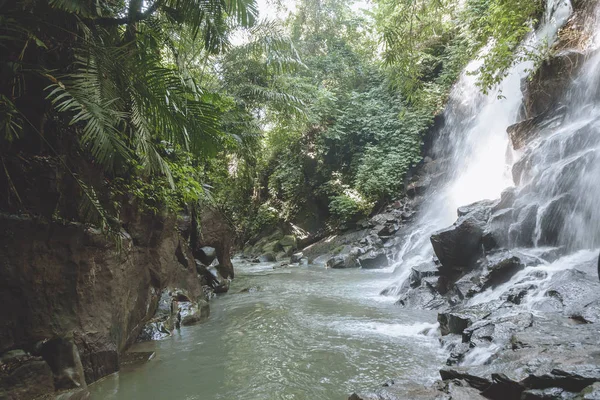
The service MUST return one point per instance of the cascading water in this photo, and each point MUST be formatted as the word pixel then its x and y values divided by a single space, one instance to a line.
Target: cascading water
pixel 474 146
pixel 557 176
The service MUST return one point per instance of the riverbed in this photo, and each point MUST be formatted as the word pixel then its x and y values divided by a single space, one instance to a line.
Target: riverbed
pixel 302 332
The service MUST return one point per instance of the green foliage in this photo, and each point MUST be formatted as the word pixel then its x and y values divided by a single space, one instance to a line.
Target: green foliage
pixel 349 207
pixel 412 32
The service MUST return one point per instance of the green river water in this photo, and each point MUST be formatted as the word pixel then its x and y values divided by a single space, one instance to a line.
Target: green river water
pixel 301 333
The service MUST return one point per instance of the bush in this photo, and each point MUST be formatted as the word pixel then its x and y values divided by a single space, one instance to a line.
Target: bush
pixel 349 207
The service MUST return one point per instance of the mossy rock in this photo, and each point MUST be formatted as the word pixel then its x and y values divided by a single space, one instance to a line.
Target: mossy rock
pixel 272 247
pixel 288 240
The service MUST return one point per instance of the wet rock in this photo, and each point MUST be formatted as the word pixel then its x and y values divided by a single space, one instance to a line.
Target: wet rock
pixel 342 261
pixel 288 240
pixel 521 167
pixel 267 257
pixel 23 376
pixel 548 394
pixel 62 356
pixel 507 199
pixel 458 321
pixel 207 255
pixel 458 246
pixel 461 390
pixel 524 132
pixel 373 259
pixel 372 242
pixel 479 210
pixel 467 286
pixel 457 354
pixel 423 297
pixel 547 85
pixel 571 292
pixel 591 392
pixel 421 271
pixel 552 219
pixel 295 258
pixel 194 312
pixel 520 233
pixel 496 231
pixel 573 378
pixel 135 358
pixel 473 379
pixel 499 269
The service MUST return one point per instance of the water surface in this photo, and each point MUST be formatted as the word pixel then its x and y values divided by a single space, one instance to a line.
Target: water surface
pixel 300 333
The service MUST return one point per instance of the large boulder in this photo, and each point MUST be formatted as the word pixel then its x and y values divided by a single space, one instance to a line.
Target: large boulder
pixel 459 246
pixel 373 259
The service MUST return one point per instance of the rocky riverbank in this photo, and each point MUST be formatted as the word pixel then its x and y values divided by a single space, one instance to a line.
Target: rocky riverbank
pixel 515 280
pixel 73 302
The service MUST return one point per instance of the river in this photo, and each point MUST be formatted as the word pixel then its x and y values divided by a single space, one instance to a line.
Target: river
pixel 300 333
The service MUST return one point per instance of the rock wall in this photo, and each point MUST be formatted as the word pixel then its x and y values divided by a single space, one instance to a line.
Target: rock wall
pixel 73 302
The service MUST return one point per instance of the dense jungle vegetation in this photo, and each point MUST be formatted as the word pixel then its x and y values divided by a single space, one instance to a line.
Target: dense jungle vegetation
pixel 314 118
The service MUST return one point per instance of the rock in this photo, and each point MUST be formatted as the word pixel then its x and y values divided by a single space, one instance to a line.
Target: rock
pixel 547 394
pixel 211 279
pixel 496 231
pixel 372 241
pixel 207 255
pixel 499 269
pixel 524 132
pixel 422 297
pixel 460 390
pixel 136 358
pixel 547 85
pixel 216 232
pixel 280 256
pixel 572 292
pixel 288 240
pixel 458 246
pixel 342 261
pixel 457 354
pixel 373 259
pixel 272 247
pixel 296 258
pixel 552 219
pixel 480 210
pixel 474 380
pixel 62 356
pixel 267 257
pixel 421 271
pixel 195 313
pixel 573 378
pixel 24 377
pixel 507 199
pixel 459 320
pixel 354 396
pixel 591 392
pixel 520 233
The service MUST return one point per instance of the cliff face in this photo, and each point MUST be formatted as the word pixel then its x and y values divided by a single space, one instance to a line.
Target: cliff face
pixel 71 300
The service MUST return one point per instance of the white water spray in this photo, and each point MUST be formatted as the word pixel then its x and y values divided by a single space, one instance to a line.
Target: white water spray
pixel 475 142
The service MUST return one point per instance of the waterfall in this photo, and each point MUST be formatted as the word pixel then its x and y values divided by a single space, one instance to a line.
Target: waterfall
pixel 474 146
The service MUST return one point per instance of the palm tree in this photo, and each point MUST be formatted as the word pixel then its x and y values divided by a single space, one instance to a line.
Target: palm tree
pixel 108 70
